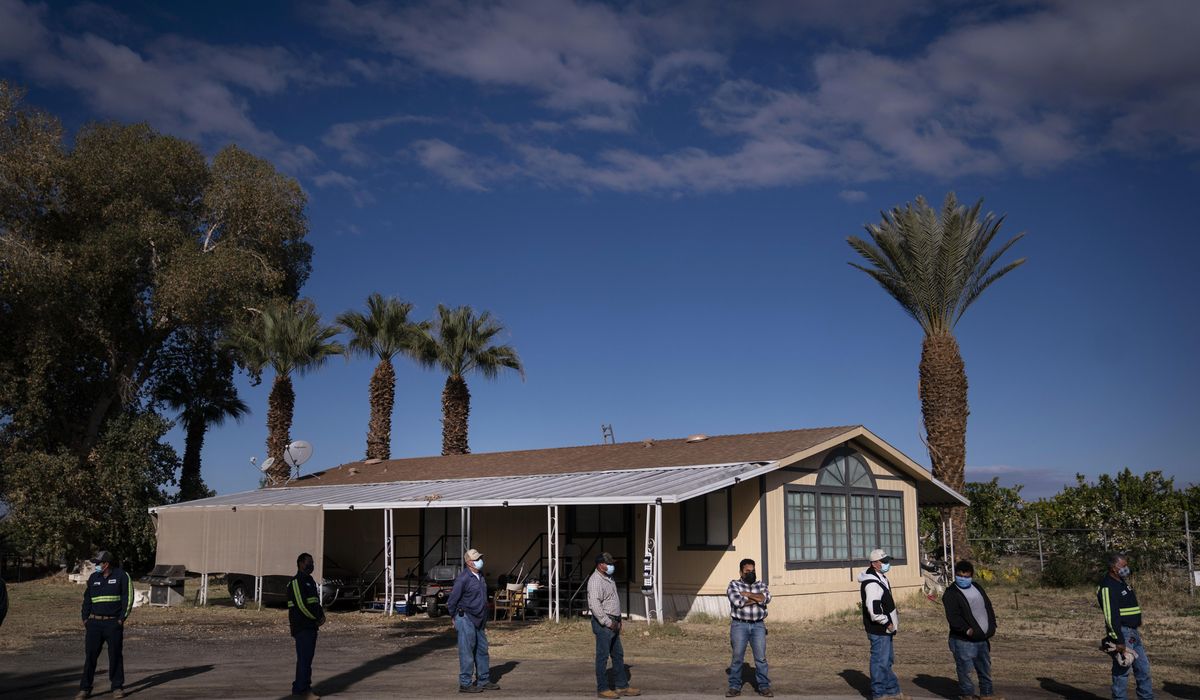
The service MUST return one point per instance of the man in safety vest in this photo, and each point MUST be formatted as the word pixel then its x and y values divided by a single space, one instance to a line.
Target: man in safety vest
pixel 305 615
pixel 1122 623
pixel 107 602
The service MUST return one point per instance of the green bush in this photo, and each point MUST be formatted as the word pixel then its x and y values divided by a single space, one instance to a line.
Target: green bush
pixel 1064 572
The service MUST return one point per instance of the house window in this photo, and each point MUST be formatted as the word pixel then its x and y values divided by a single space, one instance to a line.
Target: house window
pixel 704 521
pixel 844 516
pixel 599 520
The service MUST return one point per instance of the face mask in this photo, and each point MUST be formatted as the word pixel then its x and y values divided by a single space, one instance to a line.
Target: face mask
pixel 886 567
pixel 1123 571
pixel 749 577
pixel 609 569
pixel 479 564
pixel 962 581
pixel 309 567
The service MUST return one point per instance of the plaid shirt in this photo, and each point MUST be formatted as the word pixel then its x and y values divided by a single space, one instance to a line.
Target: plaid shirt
pixel 741 607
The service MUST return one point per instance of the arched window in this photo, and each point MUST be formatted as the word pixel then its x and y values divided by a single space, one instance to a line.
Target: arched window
pixel 843 517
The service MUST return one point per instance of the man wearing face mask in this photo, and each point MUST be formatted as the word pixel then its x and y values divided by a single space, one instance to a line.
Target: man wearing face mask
pixel 605 604
pixel 972 624
pixel 305 615
pixel 468 605
pixel 1122 620
pixel 748 599
pixel 107 602
pixel 881 621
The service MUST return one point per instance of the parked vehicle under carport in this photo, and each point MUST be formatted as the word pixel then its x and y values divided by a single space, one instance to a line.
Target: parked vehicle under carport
pixel 339 586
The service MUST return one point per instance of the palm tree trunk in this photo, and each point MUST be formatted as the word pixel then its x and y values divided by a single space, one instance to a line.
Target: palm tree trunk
pixel 943 390
pixel 280 405
pixel 191 486
pixel 383 398
pixel 456 406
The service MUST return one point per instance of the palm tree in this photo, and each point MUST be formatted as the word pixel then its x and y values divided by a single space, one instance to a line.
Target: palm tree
pixel 290 339
pixel 200 387
pixel 460 343
pixel 384 331
pixel 936 264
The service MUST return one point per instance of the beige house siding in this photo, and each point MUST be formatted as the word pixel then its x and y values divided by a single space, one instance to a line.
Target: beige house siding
pixel 696 580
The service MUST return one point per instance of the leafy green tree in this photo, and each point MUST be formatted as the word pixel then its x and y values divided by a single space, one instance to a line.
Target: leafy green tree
pixel 116 244
pixel 461 343
pixel 384 332
pixel 996 517
pixel 289 338
pixel 935 264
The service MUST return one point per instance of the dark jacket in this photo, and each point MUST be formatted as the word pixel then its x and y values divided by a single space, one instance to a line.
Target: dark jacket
pixel 304 603
pixel 960 618
pixel 469 597
pixel 108 596
pixel 1120 606
pixel 884 605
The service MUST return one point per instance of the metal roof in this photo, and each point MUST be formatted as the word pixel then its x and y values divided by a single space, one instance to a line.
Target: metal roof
pixel 670 484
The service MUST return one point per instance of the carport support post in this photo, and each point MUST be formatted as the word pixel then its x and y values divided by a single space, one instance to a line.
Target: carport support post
pixel 389 558
pixel 552 605
pixel 658 572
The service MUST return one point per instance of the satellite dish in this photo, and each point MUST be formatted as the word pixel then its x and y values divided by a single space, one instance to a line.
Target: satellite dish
pixel 267 464
pixel 297 453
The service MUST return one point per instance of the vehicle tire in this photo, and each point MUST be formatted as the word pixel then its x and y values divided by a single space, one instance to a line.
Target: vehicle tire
pixel 432 609
pixel 238 594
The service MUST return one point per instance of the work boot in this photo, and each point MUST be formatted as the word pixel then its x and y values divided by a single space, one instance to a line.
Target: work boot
pixel 470 689
pixel 490 686
pixel 628 691
pixel 310 695
pixel 733 692
pixel 988 697
pixel 766 693
pixel 607 694
pixel 118 693
pixel 83 695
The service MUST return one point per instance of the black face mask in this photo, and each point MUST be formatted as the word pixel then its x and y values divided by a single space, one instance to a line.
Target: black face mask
pixel 309 567
pixel 749 577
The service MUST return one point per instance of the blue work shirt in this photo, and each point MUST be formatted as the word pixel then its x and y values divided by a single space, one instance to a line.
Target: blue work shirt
pixel 469 597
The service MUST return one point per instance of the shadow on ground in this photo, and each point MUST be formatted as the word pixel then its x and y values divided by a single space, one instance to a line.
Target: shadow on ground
pixel 346 679
pixel 157 679
pixel 858 680
pixel 495 673
pixel 1067 691
pixel 1182 690
pixel 38 684
pixel 938 685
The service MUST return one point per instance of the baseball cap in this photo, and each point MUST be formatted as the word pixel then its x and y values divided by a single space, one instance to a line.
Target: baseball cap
pixel 473 554
pixel 605 557
pixel 101 557
pixel 879 555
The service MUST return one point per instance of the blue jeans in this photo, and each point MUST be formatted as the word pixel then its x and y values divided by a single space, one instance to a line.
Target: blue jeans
pixel 883 680
pixel 472 652
pixel 972 655
pixel 756 634
pixel 1141 669
pixel 608 643
pixel 306 649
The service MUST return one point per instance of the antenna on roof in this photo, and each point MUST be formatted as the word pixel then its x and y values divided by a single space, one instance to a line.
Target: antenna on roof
pixel 297 453
pixel 606 434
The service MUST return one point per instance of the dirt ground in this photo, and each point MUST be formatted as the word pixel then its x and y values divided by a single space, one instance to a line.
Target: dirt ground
pixel 1045 649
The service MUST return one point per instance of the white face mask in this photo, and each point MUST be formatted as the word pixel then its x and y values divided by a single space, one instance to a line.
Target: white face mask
pixel 885 567
pixel 479 564
pixel 609 569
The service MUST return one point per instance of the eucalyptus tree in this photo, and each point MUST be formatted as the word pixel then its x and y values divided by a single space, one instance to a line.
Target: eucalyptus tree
pixel 290 339
pixel 384 332
pixel 936 264
pixel 460 343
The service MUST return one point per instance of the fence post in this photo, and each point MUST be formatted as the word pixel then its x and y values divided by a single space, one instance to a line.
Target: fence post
pixel 1037 523
pixel 1187 531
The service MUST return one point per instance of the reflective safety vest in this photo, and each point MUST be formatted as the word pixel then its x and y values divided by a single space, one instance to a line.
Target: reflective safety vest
pixel 1119 604
pixel 304 602
pixel 108 596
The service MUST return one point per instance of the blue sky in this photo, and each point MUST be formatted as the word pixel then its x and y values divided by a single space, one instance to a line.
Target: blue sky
pixel 654 198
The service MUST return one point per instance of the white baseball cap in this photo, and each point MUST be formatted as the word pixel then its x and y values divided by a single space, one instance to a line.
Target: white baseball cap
pixel 878 555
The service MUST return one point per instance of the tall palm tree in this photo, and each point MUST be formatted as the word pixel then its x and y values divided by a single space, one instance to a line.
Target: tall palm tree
pixel 200 387
pixel 384 331
pixel 460 343
pixel 290 339
pixel 936 264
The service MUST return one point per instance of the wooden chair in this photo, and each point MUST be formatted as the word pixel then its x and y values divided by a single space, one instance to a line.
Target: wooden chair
pixel 510 599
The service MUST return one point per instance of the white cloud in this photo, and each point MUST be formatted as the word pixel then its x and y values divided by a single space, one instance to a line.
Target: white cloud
pixel 184 87
pixel 333 178
pixel 676 69
pixel 344 137
pixel 458 167
pixel 853 196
